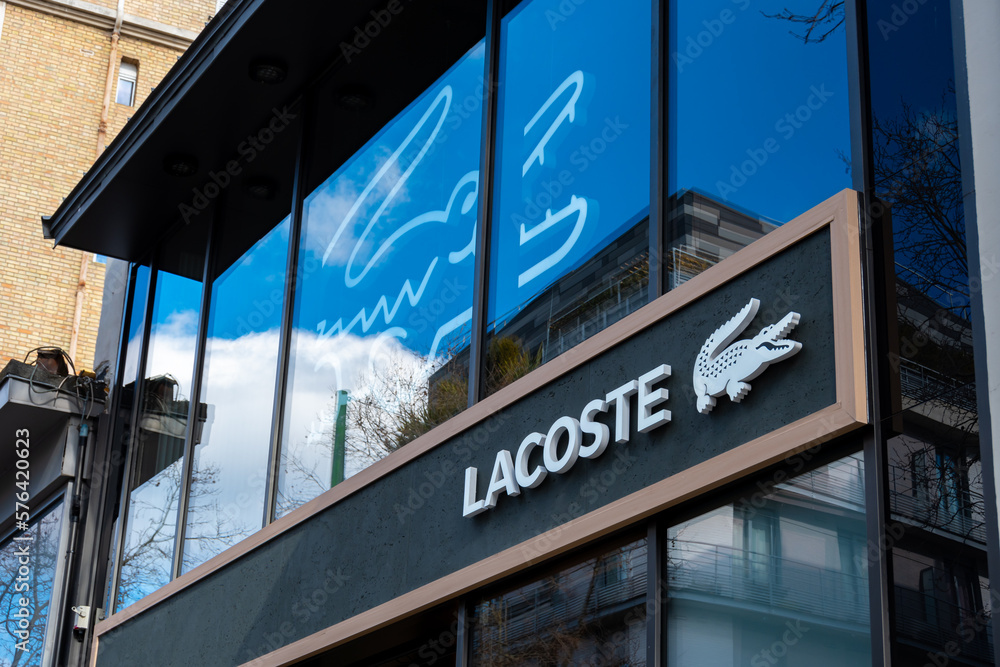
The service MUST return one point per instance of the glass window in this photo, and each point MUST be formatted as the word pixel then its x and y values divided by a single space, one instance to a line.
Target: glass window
pixel 164 407
pixel 941 579
pixel 384 300
pixel 759 127
pixel 570 216
pixel 130 375
pixel 775 578
pixel 25 626
pixel 229 472
pixel 128 75
pixel 587 614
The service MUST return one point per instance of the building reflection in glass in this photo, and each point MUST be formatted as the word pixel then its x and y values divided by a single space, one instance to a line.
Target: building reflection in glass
pixel 589 613
pixel 774 578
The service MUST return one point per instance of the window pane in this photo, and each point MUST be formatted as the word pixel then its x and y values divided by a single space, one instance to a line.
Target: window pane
pixel 126 92
pixel 126 393
pixel 570 236
pixel 44 534
pixel 588 614
pixel 137 310
pixel 941 578
pixel 759 127
pixel 158 451
pixel 230 460
pixel 774 578
pixel 385 295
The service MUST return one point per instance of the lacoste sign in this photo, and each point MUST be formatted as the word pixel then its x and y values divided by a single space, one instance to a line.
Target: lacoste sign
pixel 722 367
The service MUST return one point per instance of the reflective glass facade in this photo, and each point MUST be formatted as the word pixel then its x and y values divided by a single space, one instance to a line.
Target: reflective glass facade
pixel 543 173
pixel 383 306
pixel 776 578
pixel 571 201
pixel 29 589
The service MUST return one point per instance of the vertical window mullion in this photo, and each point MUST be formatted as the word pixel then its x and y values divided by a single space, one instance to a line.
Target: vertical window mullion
pixel 288 309
pixel 131 436
pixel 880 578
pixel 658 149
pixel 655 599
pixel 477 350
pixel 196 377
pixel 463 647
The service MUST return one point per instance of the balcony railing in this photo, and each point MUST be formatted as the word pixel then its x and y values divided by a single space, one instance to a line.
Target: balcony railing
pixel 933 505
pixel 779 584
pixel 929 623
pixel 920 383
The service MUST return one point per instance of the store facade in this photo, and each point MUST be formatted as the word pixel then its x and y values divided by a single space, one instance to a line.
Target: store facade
pixel 550 333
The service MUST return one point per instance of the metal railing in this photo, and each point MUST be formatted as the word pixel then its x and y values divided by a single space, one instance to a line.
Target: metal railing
pixel 780 584
pixel 930 503
pixel 930 623
pixel 922 384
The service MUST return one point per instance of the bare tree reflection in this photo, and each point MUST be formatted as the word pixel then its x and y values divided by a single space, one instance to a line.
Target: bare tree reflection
pixel 148 555
pixel 819 25
pixel 36 587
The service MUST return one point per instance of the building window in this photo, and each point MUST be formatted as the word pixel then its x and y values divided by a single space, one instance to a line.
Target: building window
pixel 128 74
pixel 391 232
pixel 576 615
pixel 781 581
pixel 570 216
pixel 39 592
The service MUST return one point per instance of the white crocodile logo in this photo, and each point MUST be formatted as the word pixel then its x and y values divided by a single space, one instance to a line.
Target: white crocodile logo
pixel 722 370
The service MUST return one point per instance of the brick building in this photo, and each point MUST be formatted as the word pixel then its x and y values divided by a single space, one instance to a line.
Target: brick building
pixel 61 81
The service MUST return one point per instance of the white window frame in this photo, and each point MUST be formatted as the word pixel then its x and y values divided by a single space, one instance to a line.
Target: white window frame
pixel 128 72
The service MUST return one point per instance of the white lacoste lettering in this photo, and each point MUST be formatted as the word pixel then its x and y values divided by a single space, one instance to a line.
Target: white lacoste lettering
pixel 564 443
pixel 722 368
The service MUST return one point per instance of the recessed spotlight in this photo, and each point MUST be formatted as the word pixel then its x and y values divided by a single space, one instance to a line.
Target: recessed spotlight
pixel 355 98
pixel 268 72
pixel 260 187
pixel 180 165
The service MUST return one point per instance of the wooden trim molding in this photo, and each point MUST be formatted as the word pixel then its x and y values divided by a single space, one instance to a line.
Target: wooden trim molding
pixel 839 214
pixel 133 26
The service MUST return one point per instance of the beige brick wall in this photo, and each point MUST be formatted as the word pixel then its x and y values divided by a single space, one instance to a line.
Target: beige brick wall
pixel 187 14
pixel 52 78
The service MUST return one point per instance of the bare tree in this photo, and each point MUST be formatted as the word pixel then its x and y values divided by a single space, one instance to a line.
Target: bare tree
pixel 819 25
